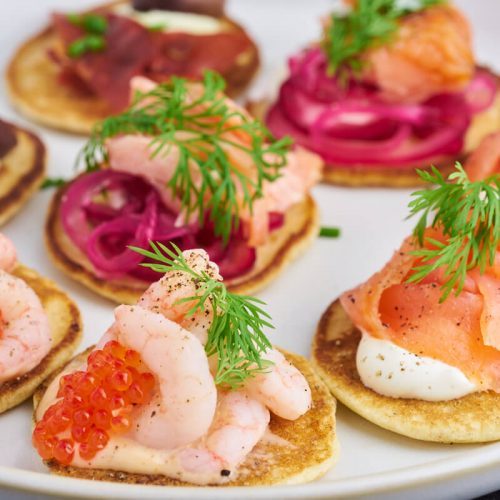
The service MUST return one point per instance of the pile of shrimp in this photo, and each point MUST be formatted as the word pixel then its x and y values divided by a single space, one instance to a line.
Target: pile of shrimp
pixel 24 327
pixel 208 429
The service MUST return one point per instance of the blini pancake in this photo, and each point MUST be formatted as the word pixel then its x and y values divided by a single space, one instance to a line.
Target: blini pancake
pixel 22 171
pixel 66 331
pixel 313 452
pixel 471 419
pixel 34 87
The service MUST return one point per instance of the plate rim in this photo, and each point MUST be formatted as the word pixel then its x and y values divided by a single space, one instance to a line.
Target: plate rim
pixel 436 471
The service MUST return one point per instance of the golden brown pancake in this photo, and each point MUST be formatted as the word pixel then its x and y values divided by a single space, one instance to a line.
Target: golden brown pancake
pixel 34 87
pixel 313 453
pixel 66 330
pixel 358 176
pixel 472 419
pixel 22 170
pixel 300 228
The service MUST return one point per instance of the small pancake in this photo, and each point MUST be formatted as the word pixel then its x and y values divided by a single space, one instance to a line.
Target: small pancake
pixel 472 419
pixel 22 171
pixel 66 330
pixel 313 436
pixel 34 87
pixel 359 176
pixel 300 228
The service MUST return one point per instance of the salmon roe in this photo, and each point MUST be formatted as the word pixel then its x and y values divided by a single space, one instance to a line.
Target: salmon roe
pixel 93 404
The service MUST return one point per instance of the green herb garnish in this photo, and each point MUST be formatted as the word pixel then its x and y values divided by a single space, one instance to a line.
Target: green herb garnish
pixel 329 232
pixel 369 24
pixel 205 180
pixel 236 334
pixel 53 182
pixel 468 215
pixel 157 27
pixel 95 26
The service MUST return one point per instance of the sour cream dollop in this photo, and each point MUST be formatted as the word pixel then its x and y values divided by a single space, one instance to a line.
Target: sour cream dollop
pixel 395 372
pixel 196 24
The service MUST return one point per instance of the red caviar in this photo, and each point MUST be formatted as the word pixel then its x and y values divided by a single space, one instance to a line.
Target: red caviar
pixel 94 403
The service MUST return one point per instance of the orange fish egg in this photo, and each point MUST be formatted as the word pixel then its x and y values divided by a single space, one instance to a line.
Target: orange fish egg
pixel 94 404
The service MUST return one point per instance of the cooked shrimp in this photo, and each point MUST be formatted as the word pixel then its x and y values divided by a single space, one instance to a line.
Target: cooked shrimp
pixel 283 388
pixel 8 254
pixel 24 327
pixel 432 53
pixel 485 159
pixel 184 407
pixel 163 295
pixel 239 424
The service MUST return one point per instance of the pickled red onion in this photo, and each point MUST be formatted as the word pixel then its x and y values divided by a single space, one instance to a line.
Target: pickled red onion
pixel 105 211
pixel 351 124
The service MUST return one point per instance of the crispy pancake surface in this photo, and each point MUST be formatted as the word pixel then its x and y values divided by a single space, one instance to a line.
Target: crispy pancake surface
pixel 472 419
pixel 22 171
pixel 66 330
pixel 285 244
pixel 361 176
pixel 34 87
pixel 312 453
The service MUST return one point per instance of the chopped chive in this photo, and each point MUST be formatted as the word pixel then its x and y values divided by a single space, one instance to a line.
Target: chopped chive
pixel 157 27
pixel 77 48
pixel 75 19
pixel 53 182
pixel 88 43
pixel 329 232
pixel 92 23
pixel 95 43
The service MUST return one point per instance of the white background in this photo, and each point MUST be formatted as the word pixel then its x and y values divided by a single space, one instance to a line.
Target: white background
pixel 372 224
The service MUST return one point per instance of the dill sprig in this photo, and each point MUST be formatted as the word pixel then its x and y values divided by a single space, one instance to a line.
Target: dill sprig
pixel 201 130
pixel 236 334
pixel 468 215
pixel 370 23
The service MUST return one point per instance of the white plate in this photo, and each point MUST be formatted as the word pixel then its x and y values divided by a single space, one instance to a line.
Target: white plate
pixel 371 460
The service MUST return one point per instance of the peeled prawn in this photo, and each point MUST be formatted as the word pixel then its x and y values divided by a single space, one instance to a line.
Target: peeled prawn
pixel 485 159
pixel 184 407
pixel 24 327
pixel 239 424
pixel 163 295
pixel 8 254
pixel 283 388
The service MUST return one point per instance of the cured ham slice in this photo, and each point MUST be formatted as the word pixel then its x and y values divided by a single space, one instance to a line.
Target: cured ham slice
pixel 132 50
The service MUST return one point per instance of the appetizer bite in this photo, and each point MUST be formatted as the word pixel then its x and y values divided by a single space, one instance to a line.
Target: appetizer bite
pixel 77 71
pixel 183 164
pixel 391 86
pixel 185 388
pixel 416 349
pixel 40 328
pixel 22 168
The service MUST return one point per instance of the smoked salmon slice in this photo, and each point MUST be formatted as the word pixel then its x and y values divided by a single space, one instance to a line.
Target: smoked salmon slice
pixel 133 154
pixel 430 54
pixel 463 331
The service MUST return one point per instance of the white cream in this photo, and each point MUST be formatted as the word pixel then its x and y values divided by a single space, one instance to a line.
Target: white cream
pixel 395 372
pixel 127 455
pixel 196 24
